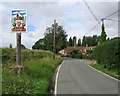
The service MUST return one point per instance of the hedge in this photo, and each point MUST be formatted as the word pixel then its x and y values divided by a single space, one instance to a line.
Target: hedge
pixel 108 54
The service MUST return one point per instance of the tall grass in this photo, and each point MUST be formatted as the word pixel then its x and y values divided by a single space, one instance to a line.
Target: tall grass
pixel 113 73
pixel 36 79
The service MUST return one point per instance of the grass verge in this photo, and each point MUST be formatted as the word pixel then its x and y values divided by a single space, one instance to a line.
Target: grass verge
pixel 101 68
pixel 36 80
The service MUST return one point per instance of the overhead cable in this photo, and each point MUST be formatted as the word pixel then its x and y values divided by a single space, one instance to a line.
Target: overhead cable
pixel 90 10
pixel 93 27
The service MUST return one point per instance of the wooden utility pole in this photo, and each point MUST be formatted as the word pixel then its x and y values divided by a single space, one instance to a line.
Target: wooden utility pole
pixel 54 39
pixel 103 28
pixel 18 49
pixel 102 21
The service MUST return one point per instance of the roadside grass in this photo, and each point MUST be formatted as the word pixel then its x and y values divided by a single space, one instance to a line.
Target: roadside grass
pixel 36 80
pixel 100 67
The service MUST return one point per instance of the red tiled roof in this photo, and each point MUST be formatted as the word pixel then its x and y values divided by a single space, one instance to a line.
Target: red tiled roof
pixel 80 48
pixel 71 48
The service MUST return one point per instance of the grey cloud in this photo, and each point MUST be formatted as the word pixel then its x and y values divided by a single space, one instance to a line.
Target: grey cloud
pixel 80 21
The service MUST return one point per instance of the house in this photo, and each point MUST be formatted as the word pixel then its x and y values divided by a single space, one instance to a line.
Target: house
pixel 80 48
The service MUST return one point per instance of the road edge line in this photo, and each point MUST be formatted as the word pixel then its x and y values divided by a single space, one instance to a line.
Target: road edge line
pixel 104 73
pixel 56 79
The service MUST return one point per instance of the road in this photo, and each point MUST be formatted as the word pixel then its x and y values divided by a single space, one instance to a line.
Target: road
pixel 76 77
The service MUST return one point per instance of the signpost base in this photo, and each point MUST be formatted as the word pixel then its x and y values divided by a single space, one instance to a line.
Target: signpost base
pixel 18 69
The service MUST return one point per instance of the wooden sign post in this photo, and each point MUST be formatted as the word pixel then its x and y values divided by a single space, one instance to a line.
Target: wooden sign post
pixel 18 49
pixel 18 25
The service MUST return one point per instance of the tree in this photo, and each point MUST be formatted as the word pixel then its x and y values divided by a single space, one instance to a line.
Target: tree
pixel 10 46
pixel 103 35
pixel 83 41
pixel 79 42
pixel 23 46
pixel 46 43
pixel 108 39
pixel 39 44
pixel 70 42
pixel 74 40
pixel 94 40
pixel 90 40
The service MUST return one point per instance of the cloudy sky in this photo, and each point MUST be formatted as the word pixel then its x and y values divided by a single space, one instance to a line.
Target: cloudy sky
pixel 75 17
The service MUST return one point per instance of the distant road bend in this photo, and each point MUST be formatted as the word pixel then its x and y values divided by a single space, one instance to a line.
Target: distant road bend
pixel 76 77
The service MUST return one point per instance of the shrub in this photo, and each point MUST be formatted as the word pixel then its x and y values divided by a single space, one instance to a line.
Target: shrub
pixel 75 54
pixel 108 54
pixel 89 51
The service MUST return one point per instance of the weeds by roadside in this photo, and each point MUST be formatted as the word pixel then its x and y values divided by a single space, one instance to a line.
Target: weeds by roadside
pixel 36 80
pixel 113 73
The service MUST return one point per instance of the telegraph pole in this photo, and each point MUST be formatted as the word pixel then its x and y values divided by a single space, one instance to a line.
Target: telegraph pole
pixel 54 39
pixel 103 28
pixel 102 21
pixel 18 49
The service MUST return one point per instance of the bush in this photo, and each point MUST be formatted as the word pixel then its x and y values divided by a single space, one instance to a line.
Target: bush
pixel 89 51
pixel 108 54
pixel 8 55
pixel 75 54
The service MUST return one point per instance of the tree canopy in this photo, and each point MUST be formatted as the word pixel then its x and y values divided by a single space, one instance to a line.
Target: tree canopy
pixel 74 40
pixel 23 46
pixel 79 42
pixel 70 42
pixel 90 40
pixel 46 43
pixel 103 34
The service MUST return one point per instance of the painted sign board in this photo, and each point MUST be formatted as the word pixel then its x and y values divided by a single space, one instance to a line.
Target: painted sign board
pixel 19 21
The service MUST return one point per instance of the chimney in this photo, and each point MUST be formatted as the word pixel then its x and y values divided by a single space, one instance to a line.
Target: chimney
pixel 75 45
pixel 98 42
pixel 86 45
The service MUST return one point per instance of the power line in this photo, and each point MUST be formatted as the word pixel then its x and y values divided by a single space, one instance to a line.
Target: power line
pixel 113 20
pixel 93 27
pixel 105 19
pixel 90 11
pixel 97 19
pixel 112 14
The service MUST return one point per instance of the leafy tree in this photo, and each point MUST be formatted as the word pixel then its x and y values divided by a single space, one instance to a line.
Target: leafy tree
pixel 10 46
pixel 23 46
pixel 84 41
pixel 79 42
pixel 70 42
pixel 90 40
pixel 98 38
pixel 74 40
pixel 47 42
pixel 108 39
pixel 39 44
pixel 103 35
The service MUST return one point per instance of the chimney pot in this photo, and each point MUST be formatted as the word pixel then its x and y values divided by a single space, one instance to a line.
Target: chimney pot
pixel 98 42
pixel 86 45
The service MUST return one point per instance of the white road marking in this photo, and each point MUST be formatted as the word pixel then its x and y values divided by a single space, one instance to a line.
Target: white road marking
pixel 104 73
pixel 55 92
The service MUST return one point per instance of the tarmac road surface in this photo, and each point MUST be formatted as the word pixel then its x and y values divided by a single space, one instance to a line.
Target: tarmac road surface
pixel 76 77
